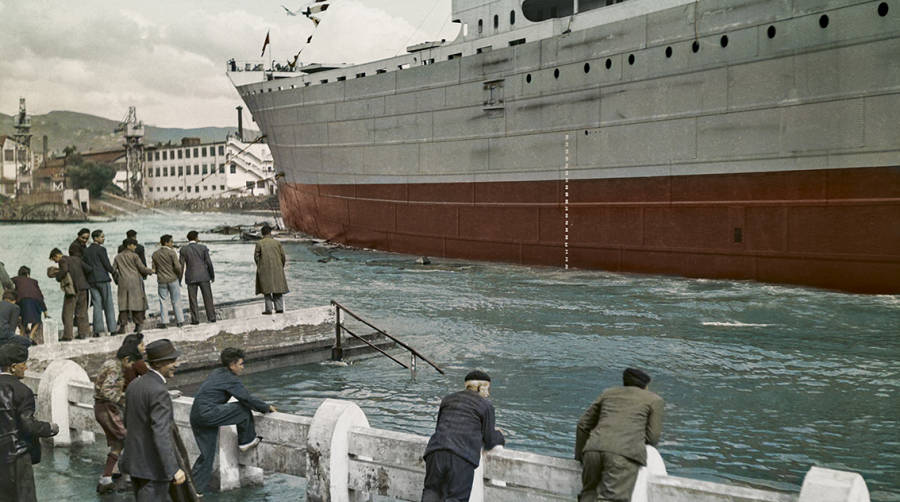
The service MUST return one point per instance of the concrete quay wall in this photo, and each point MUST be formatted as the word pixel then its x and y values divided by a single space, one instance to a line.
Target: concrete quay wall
pixel 346 460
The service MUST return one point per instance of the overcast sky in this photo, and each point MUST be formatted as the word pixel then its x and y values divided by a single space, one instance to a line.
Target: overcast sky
pixel 167 57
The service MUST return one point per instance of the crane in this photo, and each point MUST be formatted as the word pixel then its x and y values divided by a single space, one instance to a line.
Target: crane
pixel 133 131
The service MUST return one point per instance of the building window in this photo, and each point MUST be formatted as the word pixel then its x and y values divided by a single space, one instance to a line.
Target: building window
pixel 149 156
pixel 165 189
pixel 165 171
pixel 179 154
pixel 260 184
pixel 188 189
pixel 496 21
pixel 203 151
pixel 250 185
pixel 187 153
pixel 480 26
pixel 196 170
pixel 180 171
pixel 233 169
pixel 165 155
pixel 205 188
pixel 221 168
pixel 180 189
pixel 204 169
pixel 156 155
pixel 196 151
pixel 221 187
pixel 157 172
pixel 221 149
pixel 512 17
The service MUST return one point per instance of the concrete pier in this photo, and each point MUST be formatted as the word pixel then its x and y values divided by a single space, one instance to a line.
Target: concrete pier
pixel 346 460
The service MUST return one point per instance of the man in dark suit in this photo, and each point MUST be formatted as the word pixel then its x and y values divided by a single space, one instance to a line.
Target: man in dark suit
pixel 99 279
pixel 79 245
pixel 149 455
pixel 611 435
pixel 198 273
pixel 465 425
pixel 18 428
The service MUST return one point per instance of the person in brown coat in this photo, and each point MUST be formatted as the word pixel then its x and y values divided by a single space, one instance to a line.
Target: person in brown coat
pixel 611 437
pixel 31 302
pixel 270 280
pixel 132 298
pixel 74 305
pixel 168 271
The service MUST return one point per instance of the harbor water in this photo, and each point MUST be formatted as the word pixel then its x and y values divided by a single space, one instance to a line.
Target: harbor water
pixel 760 381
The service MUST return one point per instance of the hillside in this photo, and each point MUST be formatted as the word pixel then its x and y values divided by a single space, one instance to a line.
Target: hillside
pixel 92 133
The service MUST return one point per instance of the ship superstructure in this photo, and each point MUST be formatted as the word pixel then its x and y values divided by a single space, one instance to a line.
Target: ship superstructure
pixel 744 139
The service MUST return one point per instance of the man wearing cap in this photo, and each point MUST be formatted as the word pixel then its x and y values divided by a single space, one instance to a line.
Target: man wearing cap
pixel 212 410
pixel 465 424
pixel 19 430
pixel 611 435
pixel 149 455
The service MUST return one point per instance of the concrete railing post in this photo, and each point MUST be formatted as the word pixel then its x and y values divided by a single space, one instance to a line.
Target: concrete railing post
pixel 50 331
pixel 53 400
pixel 829 485
pixel 655 467
pixel 327 460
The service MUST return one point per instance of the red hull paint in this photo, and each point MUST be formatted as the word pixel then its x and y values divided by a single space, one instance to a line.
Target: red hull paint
pixel 836 229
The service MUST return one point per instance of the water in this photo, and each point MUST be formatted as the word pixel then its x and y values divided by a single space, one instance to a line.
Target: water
pixel 760 381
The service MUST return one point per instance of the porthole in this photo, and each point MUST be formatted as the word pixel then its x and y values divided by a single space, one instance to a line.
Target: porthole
pixel 556 73
pixel 723 41
pixel 608 63
pixel 669 52
pixel 771 32
pixel 528 78
pixel 585 132
pixel 587 67
pixel 823 21
pixel 695 47
pixel 882 9
pixel 496 21
pixel 631 59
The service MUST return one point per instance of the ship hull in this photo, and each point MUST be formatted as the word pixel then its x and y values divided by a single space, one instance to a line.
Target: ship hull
pixel 835 229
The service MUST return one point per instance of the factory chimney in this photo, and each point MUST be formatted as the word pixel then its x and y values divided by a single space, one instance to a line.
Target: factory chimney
pixel 240 131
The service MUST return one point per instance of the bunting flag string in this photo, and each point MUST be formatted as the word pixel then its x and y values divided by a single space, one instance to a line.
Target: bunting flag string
pixel 308 11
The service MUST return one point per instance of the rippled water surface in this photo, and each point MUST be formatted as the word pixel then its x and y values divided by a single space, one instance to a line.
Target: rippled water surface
pixel 760 381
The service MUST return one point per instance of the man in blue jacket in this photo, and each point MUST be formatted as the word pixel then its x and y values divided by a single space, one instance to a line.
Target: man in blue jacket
pixel 212 410
pixel 198 273
pixel 101 275
pixel 465 424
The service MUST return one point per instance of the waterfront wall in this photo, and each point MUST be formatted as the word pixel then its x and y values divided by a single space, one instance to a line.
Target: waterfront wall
pixel 224 204
pixel 346 460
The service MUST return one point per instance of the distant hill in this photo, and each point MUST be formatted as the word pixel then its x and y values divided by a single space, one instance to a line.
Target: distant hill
pixel 92 133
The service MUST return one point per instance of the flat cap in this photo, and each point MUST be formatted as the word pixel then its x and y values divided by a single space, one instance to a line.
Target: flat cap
pixel 478 375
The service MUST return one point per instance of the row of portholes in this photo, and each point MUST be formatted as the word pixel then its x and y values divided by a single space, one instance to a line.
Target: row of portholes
pixel 723 41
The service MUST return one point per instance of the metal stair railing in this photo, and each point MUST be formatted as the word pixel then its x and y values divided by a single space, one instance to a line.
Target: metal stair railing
pixel 337 352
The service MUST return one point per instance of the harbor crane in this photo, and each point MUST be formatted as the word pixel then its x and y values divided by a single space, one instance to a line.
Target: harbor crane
pixel 22 136
pixel 133 132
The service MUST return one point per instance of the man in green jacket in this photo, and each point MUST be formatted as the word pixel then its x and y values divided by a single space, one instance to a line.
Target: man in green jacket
pixel 611 437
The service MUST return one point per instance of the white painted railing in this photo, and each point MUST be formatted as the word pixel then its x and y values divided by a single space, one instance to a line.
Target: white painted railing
pixel 345 460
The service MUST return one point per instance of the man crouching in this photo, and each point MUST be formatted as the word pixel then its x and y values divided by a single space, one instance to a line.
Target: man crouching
pixel 465 424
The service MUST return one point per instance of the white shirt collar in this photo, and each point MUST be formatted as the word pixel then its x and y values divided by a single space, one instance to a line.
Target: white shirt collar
pixel 160 375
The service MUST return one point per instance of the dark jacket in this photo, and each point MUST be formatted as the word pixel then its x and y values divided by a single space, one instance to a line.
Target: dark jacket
pixel 465 423
pixel 26 287
pixel 197 265
pixel 98 259
pixel 77 270
pixel 621 421
pixel 139 250
pixel 149 445
pixel 18 427
pixel 220 386
pixel 9 319
pixel 76 248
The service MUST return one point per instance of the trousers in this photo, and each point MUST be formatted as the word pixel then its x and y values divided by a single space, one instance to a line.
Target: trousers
pixel 148 490
pixel 104 310
pixel 206 291
pixel 276 300
pixel 448 478
pixel 75 313
pixel 607 477
pixel 205 425
pixel 167 291
pixel 17 480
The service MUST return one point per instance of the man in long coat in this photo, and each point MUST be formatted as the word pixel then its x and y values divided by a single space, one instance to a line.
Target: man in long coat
pixel 18 428
pixel 132 298
pixel 100 280
pixel 198 273
pixel 149 455
pixel 270 281
pixel 611 435
pixel 74 306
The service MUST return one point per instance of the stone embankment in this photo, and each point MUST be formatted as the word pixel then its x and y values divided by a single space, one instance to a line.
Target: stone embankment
pixel 227 204
pixel 47 211
pixel 340 455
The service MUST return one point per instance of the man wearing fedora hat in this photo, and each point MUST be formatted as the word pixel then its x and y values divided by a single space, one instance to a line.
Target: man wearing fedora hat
pixel 18 428
pixel 611 435
pixel 465 424
pixel 149 455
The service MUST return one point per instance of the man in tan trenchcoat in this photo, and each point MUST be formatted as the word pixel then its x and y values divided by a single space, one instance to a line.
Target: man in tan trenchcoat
pixel 270 281
pixel 611 436
pixel 132 298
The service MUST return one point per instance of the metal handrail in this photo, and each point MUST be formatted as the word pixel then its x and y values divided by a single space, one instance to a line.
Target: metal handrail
pixel 337 351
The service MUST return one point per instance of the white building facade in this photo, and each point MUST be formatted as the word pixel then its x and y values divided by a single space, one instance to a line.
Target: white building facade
pixel 16 167
pixel 195 170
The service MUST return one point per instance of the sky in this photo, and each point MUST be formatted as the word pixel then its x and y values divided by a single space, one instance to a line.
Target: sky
pixel 167 57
